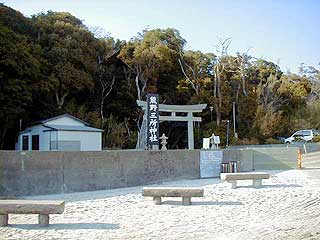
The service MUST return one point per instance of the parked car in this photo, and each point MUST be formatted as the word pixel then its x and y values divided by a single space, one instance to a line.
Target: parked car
pixel 281 139
pixel 302 135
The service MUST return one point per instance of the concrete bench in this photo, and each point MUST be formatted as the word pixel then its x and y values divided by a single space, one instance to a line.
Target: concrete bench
pixel 41 207
pixel 185 192
pixel 256 178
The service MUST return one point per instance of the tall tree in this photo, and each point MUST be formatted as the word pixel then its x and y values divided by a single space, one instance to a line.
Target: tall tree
pixel 153 52
pixel 105 73
pixel 197 69
pixel 218 68
pixel 70 50
pixel 20 70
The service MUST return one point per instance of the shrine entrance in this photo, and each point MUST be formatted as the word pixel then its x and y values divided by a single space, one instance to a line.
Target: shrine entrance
pixel 172 109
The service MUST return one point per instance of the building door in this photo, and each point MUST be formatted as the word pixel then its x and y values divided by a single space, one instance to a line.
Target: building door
pixel 35 142
pixel 25 142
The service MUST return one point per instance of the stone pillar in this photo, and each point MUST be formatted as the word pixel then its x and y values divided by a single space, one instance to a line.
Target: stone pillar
pixel 3 220
pixel 190 132
pixel 233 183
pixel 43 220
pixel 155 147
pixel 157 200
pixel 257 183
pixel 186 200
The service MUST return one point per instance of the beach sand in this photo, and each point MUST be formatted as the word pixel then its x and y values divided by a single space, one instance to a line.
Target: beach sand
pixel 286 207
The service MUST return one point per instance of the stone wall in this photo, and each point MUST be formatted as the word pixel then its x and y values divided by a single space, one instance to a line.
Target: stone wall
pixel 263 158
pixel 34 173
pixel 306 148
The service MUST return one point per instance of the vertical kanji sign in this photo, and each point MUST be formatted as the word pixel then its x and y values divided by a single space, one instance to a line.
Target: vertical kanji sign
pixel 153 119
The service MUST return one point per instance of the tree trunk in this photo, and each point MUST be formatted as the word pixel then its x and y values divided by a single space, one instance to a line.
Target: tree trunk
pixel 3 137
pixel 215 81
pixel 194 85
pixel 101 111
pixel 243 79
pixel 137 87
pixel 104 95
pixel 60 101
pixel 237 94
pixel 218 114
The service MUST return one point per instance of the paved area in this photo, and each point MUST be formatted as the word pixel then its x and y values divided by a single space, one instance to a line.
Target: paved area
pixel 311 160
pixel 311 167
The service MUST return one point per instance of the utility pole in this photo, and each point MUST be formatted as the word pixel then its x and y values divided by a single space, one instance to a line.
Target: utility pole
pixel 234 119
pixel 211 108
pixel 228 131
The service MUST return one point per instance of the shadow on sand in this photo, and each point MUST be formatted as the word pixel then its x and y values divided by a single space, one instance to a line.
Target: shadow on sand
pixel 57 226
pixel 203 203
pixel 282 186
pixel 272 186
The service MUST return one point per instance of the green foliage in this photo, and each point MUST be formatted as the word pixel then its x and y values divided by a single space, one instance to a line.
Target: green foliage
pixel 15 21
pixel 307 117
pixel 196 67
pixel 247 141
pixel 118 135
pixel 70 51
pixel 20 70
pixel 152 54
pixel 316 138
pixel 273 141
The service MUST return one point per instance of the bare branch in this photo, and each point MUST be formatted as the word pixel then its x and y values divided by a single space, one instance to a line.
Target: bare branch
pixel 127 127
pixel 187 77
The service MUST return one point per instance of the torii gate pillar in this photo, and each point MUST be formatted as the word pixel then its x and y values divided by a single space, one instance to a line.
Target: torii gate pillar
pixel 190 132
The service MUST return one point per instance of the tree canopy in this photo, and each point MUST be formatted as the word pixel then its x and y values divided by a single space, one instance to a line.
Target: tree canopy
pixel 51 63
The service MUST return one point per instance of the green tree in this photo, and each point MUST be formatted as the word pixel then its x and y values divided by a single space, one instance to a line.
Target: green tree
pixel 153 52
pixel 197 70
pixel 71 53
pixel 20 71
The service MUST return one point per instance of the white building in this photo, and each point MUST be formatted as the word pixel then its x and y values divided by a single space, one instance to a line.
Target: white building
pixel 62 133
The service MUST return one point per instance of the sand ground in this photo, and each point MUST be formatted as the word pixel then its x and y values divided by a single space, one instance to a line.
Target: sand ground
pixel 286 207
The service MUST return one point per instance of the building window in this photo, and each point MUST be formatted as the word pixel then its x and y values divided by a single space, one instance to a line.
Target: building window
pixel 25 143
pixel 35 142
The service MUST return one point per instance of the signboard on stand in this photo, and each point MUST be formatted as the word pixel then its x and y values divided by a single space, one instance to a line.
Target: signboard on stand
pixel 216 140
pixel 210 163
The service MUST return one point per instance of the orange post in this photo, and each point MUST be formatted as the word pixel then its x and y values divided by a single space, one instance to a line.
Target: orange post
pixel 299 159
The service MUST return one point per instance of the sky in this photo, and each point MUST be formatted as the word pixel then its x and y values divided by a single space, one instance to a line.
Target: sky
pixel 285 32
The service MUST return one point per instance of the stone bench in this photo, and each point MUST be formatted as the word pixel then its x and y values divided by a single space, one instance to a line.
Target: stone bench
pixel 41 207
pixel 256 178
pixel 185 192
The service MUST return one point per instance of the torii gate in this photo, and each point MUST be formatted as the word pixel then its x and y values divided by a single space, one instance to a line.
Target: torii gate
pixel 189 109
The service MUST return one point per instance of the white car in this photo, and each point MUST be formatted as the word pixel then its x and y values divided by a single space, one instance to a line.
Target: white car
pixel 304 135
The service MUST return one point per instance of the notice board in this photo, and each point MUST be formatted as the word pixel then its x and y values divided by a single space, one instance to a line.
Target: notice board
pixel 210 163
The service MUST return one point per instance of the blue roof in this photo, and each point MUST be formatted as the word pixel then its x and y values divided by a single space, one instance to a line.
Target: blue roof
pixel 25 131
pixel 72 128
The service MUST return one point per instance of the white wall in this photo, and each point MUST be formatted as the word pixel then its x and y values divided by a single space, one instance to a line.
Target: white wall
pixel 44 140
pixel 90 141
pixel 53 136
pixel 65 121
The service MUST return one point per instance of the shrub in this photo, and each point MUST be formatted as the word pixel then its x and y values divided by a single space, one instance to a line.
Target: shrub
pixel 272 141
pixel 247 141
pixel 316 138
